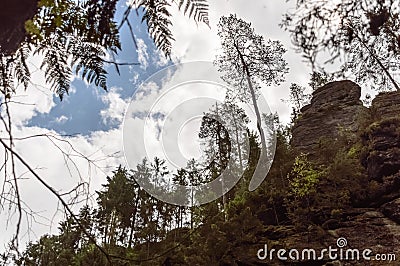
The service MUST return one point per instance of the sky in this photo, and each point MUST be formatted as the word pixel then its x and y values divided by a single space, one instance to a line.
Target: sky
pixel 89 121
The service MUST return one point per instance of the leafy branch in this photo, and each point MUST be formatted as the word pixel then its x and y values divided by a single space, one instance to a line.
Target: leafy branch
pixel 158 18
pixel 197 8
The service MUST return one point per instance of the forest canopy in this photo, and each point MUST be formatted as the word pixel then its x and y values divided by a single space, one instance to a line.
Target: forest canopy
pixel 302 197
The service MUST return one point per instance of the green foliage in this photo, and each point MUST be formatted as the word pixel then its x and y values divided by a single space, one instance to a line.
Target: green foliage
pixel 197 8
pixel 20 68
pixel 319 79
pixel 158 22
pixel 248 56
pixel 77 36
pixel 84 30
pixel 135 228
pixel 303 178
pixel 297 99
pixel 14 67
pixel 158 18
pixel 32 29
pixel 345 180
pixel 383 126
pixel 216 139
pixel 363 33
pixel 336 181
pixel 57 70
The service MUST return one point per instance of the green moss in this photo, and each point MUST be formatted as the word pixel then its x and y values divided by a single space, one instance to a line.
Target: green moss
pixel 336 213
pixel 355 151
pixel 392 124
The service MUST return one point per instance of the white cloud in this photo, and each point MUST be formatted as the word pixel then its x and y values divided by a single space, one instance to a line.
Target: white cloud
pixel 143 55
pixel 198 42
pixel 62 171
pixel 114 113
pixel 61 119
pixel 135 77
pixel 37 98
pixel 159 59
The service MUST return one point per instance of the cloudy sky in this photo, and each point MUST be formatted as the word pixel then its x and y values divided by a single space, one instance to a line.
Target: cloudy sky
pixel 91 120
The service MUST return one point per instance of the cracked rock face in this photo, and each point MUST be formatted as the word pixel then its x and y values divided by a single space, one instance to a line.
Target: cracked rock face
pixel 386 105
pixel 383 138
pixel 362 228
pixel 381 141
pixel 334 108
pixel 392 210
pixel 374 226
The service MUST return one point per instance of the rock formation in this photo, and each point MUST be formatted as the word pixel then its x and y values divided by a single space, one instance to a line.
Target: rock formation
pixel 381 157
pixel 372 224
pixel 334 108
pixel 386 105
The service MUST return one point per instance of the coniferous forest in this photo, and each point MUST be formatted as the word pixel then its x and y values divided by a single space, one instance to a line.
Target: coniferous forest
pixel 330 172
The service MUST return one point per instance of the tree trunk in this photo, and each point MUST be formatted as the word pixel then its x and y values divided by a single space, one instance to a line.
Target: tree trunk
pixel 237 139
pixel 133 223
pixel 254 101
pixel 222 161
pixel 384 69
pixel 260 171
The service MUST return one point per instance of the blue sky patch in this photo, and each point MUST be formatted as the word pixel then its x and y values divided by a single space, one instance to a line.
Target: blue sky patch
pixel 79 112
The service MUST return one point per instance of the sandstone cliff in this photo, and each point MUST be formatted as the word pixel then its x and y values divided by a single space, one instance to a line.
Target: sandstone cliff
pixel 336 107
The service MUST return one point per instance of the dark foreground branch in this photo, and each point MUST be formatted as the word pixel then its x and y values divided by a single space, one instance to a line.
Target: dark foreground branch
pixel 55 193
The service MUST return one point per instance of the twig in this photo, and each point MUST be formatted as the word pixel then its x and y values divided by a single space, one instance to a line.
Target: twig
pixel 55 193
pixel 120 63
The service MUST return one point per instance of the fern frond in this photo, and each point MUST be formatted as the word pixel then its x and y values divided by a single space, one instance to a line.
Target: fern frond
pixel 99 25
pixel 6 82
pixel 20 69
pixel 57 70
pixel 158 22
pixel 88 63
pixel 196 8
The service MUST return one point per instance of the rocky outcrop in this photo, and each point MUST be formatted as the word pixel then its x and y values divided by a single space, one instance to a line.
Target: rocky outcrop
pixel 382 144
pixel 334 108
pixel 392 210
pixel 381 156
pixel 386 105
pixel 362 228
